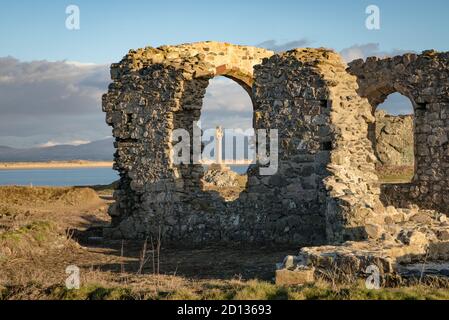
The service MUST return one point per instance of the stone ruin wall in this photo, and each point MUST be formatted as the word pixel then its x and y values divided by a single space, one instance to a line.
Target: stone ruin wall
pixel 324 181
pixel 325 190
pixel 424 79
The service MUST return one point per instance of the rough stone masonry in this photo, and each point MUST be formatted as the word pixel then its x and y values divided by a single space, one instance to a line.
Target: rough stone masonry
pixel 325 190
pixel 424 79
pixel 394 145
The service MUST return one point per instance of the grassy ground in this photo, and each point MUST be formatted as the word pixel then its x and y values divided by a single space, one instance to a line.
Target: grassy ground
pixel 151 287
pixel 105 190
pixel 44 230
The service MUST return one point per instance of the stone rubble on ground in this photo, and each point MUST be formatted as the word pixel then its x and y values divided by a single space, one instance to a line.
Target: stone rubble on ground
pixel 422 237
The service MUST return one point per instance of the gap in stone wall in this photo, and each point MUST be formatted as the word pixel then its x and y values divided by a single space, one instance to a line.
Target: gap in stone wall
pixel 394 139
pixel 228 106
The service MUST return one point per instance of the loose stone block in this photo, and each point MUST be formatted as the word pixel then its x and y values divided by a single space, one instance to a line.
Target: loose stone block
pixel 300 276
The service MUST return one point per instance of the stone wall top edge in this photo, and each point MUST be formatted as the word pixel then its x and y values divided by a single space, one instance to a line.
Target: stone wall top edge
pixel 310 56
pixel 190 57
pixel 192 50
pixel 204 47
pixel 408 57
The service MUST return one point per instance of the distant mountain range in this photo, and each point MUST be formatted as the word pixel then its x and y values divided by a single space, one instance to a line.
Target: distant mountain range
pixel 101 150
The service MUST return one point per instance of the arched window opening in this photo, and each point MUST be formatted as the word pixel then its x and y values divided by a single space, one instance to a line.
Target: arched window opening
pixel 226 123
pixel 394 139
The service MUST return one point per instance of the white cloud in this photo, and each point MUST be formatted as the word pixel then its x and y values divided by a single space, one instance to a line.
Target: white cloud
pixel 45 101
pixel 53 143
pixel 280 47
pixel 226 95
pixel 48 144
pixel 78 142
pixel 81 64
pixel 364 51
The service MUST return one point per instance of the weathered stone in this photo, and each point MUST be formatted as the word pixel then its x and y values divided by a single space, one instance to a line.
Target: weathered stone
pixel 299 276
pixel 413 238
pixel 418 244
pixel 221 177
pixel 443 235
pixel 374 231
pixel 421 218
pixel 291 263
pixel 394 144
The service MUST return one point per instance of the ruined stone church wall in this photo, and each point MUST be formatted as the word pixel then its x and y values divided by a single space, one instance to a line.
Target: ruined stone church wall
pixel 140 116
pixel 326 182
pixel 154 92
pixel 325 189
pixel 424 79
pixel 290 97
pixel 158 90
pixel 353 191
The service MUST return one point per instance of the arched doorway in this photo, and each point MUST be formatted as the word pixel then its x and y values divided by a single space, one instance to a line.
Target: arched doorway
pixel 394 139
pixel 227 125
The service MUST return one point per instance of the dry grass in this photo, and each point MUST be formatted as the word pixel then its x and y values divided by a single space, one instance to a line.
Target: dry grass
pixel 103 190
pixel 25 238
pixel 35 249
pixel 176 288
pixel 45 196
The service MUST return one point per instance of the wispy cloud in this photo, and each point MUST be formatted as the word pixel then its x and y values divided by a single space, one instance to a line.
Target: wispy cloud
pixel 280 47
pixel 366 50
pixel 53 143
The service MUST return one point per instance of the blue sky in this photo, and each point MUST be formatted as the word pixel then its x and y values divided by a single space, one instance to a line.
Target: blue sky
pixel 33 29
pixel 47 99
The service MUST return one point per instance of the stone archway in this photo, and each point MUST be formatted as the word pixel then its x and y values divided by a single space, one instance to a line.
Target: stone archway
pixel 215 59
pixel 424 80
pixel 159 90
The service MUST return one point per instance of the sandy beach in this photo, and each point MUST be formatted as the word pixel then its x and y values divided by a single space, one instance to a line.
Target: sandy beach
pixel 55 165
